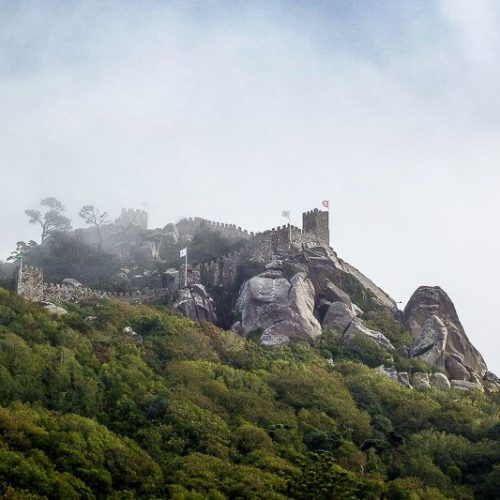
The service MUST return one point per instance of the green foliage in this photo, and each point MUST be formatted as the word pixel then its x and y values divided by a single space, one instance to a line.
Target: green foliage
pixel 359 348
pixel 185 410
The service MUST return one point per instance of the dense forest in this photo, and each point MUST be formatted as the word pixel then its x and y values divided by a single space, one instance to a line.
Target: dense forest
pixel 170 408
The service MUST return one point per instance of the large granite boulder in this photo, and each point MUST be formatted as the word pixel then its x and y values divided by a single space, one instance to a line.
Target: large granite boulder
pixel 282 309
pixel 338 317
pixel 357 327
pixel 195 303
pixel 440 338
pixel 439 380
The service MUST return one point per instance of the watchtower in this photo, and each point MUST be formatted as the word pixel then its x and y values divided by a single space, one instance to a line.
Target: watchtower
pixel 129 217
pixel 316 223
pixel 29 283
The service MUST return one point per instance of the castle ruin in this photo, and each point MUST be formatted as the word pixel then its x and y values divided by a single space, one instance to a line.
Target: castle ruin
pixel 135 217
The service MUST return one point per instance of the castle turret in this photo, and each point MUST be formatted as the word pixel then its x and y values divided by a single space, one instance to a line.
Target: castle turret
pixel 316 223
pixel 129 216
pixel 30 283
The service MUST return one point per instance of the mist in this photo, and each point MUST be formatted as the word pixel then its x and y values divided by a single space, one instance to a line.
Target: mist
pixel 235 111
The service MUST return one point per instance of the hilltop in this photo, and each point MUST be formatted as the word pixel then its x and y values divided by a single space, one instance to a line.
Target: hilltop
pixel 281 285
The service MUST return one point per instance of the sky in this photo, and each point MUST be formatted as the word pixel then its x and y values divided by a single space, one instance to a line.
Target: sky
pixel 235 111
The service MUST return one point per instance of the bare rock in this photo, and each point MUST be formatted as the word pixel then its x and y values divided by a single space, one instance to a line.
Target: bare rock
pixel 195 303
pixel 439 380
pixel 72 283
pixel 52 308
pixel 420 381
pixel 428 313
pixel 338 317
pixel 431 343
pixel 466 385
pixel 281 308
pixel 357 327
pixel 404 379
pixel 128 330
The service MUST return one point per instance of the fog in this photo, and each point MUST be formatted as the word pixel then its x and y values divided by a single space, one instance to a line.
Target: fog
pixel 235 111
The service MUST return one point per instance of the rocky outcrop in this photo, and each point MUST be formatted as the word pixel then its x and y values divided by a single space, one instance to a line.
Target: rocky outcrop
pixel 338 317
pixel 282 309
pixel 431 343
pixel 53 308
pixel 466 385
pixel 439 336
pixel 195 303
pixel 341 319
pixel 357 327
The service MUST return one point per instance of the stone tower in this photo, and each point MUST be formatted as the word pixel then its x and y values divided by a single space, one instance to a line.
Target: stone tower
pixel 30 283
pixel 316 223
pixel 129 216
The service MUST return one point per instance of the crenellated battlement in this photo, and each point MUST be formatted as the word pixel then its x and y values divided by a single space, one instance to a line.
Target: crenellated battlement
pixel 189 225
pixel 131 216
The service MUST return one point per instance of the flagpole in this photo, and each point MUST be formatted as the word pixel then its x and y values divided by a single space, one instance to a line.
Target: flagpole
pixel 186 270
pixel 290 229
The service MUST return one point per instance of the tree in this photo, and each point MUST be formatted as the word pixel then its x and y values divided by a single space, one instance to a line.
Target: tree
pixel 21 250
pixel 94 217
pixel 52 220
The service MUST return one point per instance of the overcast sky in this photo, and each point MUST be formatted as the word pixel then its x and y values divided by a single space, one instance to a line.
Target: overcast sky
pixel 235 111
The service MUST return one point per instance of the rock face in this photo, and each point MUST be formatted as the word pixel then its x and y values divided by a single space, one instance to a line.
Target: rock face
pixel 338 317
pixel 281 308
pixel 439 336
pixel 195 303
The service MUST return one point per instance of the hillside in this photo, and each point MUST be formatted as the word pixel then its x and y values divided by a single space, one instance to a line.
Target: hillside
pixel 123 401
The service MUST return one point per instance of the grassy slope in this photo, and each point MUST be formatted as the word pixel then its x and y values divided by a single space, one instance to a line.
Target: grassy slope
pixel 186 410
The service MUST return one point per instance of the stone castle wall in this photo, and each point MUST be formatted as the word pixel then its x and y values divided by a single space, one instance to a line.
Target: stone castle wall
pixel 30 283
pixel 230 231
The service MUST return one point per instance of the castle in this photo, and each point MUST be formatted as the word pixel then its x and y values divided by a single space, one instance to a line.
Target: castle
pixel 130 216
pixel 264 246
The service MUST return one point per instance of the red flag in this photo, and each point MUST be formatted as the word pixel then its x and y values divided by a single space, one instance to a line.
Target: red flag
pixel 326 204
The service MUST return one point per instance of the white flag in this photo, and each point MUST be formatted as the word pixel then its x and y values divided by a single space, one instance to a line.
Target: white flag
pixel 286 213
pixel 183 252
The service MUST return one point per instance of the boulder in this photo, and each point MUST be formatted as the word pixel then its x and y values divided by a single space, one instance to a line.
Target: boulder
pixel 440 338
pixel 195 303
pixel 392 374
pixel 72 282
pixel 439 380
pixel 281 308
pixel 456 369
pixel 491 377
pixel 420 381
pixel 465 385
pixel 338 317
pixel 274 265
pixel 404 379
pixel 52 308
pixel 357 327
pixel 128 330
